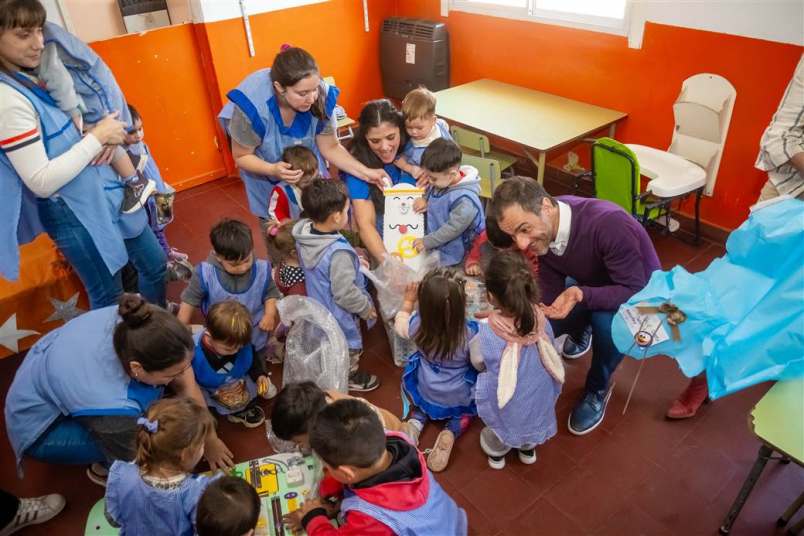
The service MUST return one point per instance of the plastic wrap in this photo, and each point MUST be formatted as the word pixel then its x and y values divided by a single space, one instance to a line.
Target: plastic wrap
pixel 744 312
pixel 390 279
pixel 316 348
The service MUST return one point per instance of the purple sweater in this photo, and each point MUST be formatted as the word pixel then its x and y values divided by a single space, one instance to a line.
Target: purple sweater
pixel 609 254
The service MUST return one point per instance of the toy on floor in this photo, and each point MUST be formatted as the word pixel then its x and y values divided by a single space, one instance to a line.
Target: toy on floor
pixel 283 482
pixel 742 318
pixel 401 224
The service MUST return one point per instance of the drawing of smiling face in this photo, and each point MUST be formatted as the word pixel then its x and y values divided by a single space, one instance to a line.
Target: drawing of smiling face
pixel 403 204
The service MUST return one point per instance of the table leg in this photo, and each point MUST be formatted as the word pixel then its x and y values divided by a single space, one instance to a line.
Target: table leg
pixel 762 458
pixel 791 511
pixel 540 163
pixel 612 130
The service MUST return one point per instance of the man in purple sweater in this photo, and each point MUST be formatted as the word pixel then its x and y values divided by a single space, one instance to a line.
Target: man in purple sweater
pixel 604 254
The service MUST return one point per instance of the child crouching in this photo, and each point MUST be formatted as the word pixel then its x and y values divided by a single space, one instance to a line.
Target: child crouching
pixel 382 479
pixel 157 493
pixel 227 370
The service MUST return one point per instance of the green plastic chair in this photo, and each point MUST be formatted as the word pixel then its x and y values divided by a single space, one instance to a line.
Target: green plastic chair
pixel 615 172
pixel 489 171
pixel 477 144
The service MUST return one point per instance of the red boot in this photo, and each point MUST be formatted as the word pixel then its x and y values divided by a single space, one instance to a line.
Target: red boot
pixel 686 406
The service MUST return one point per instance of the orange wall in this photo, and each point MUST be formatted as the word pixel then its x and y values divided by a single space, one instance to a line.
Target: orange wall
pixel 161 76
pixel 601 69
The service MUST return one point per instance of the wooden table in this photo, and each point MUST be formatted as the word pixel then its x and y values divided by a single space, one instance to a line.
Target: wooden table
pixel 533 119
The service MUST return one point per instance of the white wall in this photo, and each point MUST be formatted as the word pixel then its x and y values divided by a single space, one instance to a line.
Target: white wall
pixel 773 20
pixel 214 10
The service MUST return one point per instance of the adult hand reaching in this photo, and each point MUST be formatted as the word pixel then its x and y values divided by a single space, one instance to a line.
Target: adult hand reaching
pixel 563 304
pixel 285 172
pixel 378 177
pixel 109 130
pixel 217 453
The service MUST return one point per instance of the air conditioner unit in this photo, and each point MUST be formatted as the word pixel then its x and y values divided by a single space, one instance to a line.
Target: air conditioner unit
pixel 413 53
pixel 141 15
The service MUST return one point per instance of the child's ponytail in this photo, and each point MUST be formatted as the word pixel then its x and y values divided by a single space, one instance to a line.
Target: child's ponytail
pixel 512 284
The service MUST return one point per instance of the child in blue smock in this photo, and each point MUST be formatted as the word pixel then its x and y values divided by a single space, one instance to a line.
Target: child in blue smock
pixel 438 378
pixel 516 393
pixel 160 206
pixel 454 212
pixel 224 365
pixel 84 87
pixel 231 272
pixel 157 493
pixel 332 269
pixel 422 127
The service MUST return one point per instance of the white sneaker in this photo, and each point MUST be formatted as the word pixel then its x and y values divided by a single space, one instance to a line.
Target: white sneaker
pixel 497 462
pixel 34 511
pixel 98 474
pixel 527 456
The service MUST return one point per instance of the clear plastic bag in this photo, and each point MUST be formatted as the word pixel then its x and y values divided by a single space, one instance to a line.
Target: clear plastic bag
pixel 316 348
pixel 390 279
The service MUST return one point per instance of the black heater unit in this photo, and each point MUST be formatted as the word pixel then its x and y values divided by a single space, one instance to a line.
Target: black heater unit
pixel 413 53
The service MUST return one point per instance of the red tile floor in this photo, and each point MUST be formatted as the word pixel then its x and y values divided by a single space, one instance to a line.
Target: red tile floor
pixel 637 474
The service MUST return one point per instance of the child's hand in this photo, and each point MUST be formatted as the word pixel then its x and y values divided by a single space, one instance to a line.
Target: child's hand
pixel 473 269
pixel 419 245
pixel 411 292
pixel 268 320
pixel 420 205
pixel 263 385
pixel 372 315
pixel 293 519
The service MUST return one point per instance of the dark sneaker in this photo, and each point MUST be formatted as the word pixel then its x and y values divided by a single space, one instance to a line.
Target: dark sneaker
pixel 179 270
pixel 361 381
pixel 527 456
pixel 137 191
pixel 574 349
pixel 588 414
pixel 251 417
pixel 34 511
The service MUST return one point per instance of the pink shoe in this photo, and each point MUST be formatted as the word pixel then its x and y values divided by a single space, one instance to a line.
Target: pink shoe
pixel 693 397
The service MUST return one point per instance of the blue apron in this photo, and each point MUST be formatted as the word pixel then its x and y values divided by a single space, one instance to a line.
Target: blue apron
pixel 94 195
pixel 414 154
pixel 252 298
pixel 72 371
pixel 255 98
pixel 439 205
pixel 318 284
pixel 211 380
pixel 92 78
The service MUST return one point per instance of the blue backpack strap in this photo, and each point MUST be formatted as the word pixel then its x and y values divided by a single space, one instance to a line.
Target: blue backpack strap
pixel 247 107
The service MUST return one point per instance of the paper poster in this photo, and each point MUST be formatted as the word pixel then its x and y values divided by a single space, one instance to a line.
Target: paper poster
pixel 401 224
pixel 647 325
pixel 410 53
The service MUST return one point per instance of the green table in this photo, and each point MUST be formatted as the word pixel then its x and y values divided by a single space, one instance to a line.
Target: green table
pixel 778 421
pixel 283 482
pixel 532 119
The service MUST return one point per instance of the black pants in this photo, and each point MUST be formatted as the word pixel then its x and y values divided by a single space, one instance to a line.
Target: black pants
pixel 8 508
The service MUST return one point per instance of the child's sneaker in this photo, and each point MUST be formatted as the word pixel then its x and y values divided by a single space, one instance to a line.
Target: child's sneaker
pixel 251 417
pixel 527 456
pixel 497 462
pixel 34 511
pixel 361 381
pixel 438 459
pixel 137 191
pixel 98 474
pixel 179 270
pixel 493 447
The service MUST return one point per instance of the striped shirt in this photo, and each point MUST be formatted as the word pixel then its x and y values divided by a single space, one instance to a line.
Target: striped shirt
pixel 784 138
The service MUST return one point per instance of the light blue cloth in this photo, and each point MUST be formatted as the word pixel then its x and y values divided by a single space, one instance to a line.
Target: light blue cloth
pixel 745 312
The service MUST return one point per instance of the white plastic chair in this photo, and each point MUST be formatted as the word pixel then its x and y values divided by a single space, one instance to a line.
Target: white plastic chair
pixel 702 114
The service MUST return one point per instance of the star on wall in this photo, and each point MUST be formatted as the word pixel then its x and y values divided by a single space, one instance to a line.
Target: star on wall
pixel 10 335
pixel 65 310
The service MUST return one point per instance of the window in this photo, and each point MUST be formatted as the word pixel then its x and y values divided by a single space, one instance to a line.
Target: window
pixel 603 15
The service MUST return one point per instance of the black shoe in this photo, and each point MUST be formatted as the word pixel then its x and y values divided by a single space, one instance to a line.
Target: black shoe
pixel 361 381
pixel 250 417
pixel 137 191
pixel 573 349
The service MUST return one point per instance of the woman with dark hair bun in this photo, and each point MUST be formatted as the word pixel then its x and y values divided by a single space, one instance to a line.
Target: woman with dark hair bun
pixel 78 393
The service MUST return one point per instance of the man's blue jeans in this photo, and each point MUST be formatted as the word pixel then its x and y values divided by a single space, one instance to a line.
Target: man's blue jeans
pixel 605 355
pixel 76 244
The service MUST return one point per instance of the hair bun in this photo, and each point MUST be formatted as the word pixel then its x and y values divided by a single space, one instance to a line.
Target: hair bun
pixel 134 310
pixel 284 46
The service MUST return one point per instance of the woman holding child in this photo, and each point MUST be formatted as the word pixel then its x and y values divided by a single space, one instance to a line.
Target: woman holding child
pixel 288 104
pixel 77 396
pixel 48 182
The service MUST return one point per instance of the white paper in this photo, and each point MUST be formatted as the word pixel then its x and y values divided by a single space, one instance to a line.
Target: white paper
pixel 402 225
pixel 633 319
pixel 410 53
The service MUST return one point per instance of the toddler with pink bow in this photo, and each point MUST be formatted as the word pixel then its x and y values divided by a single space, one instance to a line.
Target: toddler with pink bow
pixel 516 393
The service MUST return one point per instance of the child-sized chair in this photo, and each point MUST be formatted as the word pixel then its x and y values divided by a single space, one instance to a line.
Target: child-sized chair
pixel 489 171
pixel 477 144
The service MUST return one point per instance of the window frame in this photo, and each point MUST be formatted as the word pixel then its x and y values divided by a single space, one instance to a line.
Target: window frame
pixel 543 16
